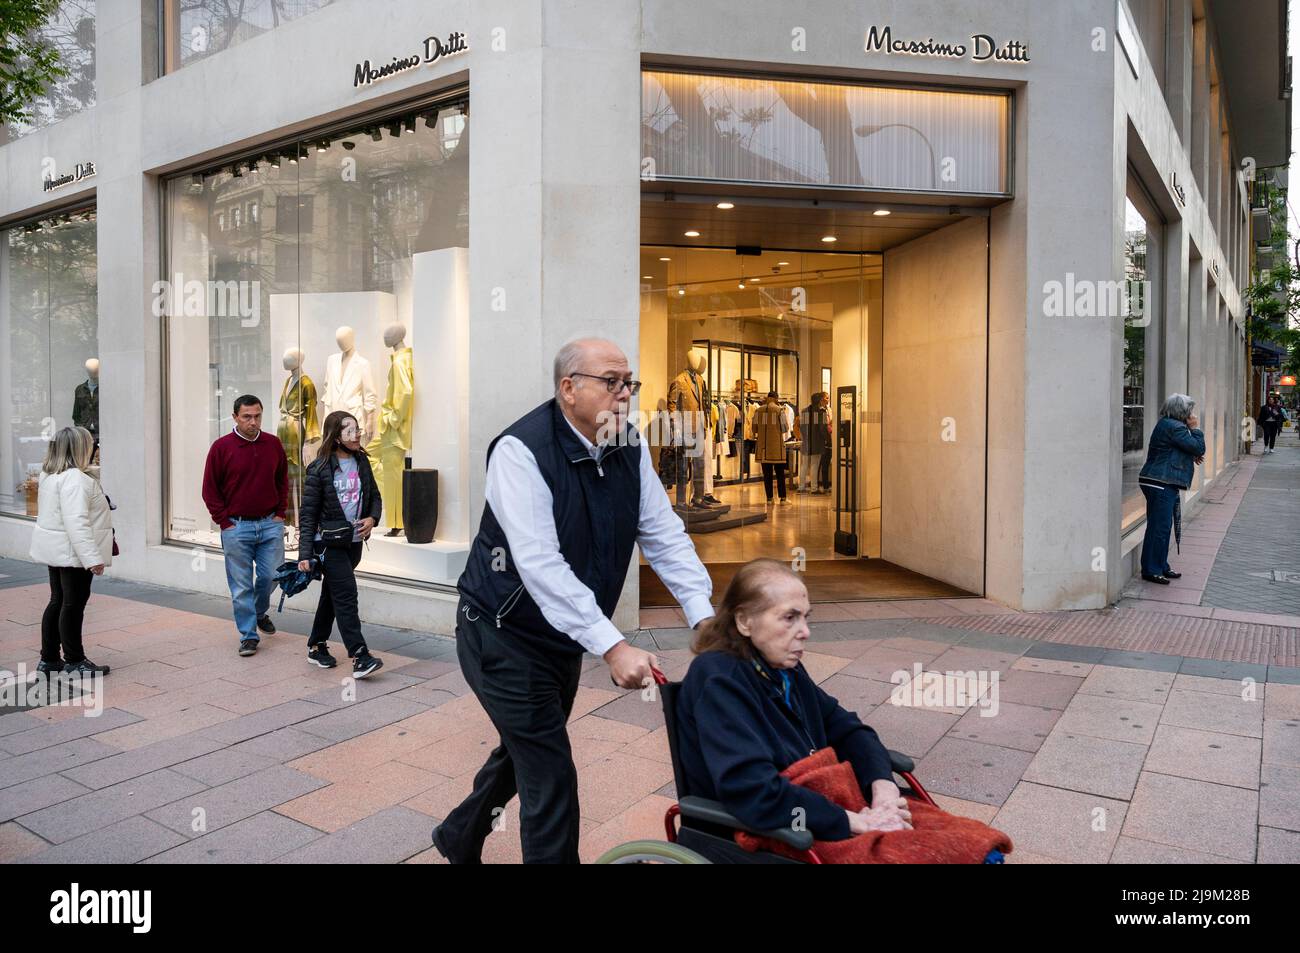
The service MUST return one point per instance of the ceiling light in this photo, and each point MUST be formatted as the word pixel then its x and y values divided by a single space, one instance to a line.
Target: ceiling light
pixel 881 211
pixel 665 259
pixel 741 286
pixel 681 290
pixel 828 238
pixel 692 234
pixel 726 205
pixel 648 277
pixel 781 263
pixel 322 145
pixel 274 160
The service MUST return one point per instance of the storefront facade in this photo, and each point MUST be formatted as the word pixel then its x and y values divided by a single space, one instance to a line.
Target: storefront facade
pixel 295 211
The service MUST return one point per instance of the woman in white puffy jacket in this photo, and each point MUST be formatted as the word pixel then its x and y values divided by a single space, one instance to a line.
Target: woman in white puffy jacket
pixel 74 537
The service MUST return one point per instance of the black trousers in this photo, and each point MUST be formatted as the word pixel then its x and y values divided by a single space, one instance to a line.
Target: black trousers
pixel 338 599
pixel 1270 435
pixel 527 690
pixel 779 470
pixel 61 621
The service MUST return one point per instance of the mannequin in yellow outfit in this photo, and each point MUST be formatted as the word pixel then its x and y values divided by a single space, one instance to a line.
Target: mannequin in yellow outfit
pixel 389 448
pixel 298 425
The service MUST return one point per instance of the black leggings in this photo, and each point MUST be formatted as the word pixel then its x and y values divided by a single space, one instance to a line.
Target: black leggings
pixel 61 621
pixel 1270 435
pixel 338 599
pixel 779 470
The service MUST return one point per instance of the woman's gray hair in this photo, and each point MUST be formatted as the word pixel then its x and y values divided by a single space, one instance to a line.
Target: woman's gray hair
pixel 1178 406
pixel 72 447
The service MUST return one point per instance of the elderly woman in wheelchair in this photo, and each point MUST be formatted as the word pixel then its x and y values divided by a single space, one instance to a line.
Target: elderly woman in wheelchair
pixel 767 763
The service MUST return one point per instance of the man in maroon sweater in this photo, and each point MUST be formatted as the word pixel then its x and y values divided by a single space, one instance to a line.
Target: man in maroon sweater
pixel 246 489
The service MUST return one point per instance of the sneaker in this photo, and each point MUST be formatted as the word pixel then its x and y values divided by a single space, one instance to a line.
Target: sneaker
pixel 365 664
pixel 46 669
pixel 248 647
pixel 784 502
pixel 84 667
pixel 264 624
pixel 320 655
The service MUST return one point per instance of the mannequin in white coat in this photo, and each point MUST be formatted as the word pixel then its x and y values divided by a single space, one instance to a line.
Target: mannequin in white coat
pixel 349 385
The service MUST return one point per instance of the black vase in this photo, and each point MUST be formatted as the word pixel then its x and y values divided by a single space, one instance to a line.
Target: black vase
pixel 420 504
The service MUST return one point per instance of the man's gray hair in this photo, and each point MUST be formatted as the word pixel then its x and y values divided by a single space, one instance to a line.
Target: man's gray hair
pixel 1178 406
pixel 570 358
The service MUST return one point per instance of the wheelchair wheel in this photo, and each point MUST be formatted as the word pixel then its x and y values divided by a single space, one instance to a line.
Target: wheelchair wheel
pixel 651 852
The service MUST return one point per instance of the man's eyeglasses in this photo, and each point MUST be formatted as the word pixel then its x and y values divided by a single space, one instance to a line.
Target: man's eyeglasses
pixel 613 384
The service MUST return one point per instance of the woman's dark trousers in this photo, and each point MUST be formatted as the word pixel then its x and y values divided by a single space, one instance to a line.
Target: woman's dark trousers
pixel 779 470
pixel 1270 435
pixel 338 599
pixel 61 621
pixel 1160 522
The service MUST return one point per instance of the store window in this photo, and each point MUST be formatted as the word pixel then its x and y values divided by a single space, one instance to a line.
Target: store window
pixel 345 291
pixel 767 131
pixel 1141 373
pixel 71 32
pixel 49 345
pixel 196 29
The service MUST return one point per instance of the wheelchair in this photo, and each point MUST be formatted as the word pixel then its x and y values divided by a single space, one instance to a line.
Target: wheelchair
pixel 702 831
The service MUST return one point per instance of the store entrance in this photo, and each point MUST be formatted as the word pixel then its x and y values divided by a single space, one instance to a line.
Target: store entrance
pixel 762 392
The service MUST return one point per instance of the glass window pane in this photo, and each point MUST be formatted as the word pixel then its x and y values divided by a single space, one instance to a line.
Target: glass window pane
pixel 196 29
pixel 71 31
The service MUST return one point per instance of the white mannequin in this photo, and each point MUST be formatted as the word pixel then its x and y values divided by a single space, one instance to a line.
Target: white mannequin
pixel 293 359
pixel 394 336
pixel 92 372
pixel 348 384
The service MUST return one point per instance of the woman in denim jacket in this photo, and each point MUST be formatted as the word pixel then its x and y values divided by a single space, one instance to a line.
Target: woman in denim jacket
pixel 1176 446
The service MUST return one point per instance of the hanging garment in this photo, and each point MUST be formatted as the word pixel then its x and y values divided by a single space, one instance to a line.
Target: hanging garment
pixel 298 427
pixel 394 440
pixel 85 406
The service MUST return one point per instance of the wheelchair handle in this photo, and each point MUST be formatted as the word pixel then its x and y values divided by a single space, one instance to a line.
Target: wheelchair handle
pixel 660 677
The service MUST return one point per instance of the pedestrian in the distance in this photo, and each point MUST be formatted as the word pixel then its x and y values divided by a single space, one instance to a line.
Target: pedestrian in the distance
pixel 340 508
pixel 1270 419
pixel 770 434
pixel 246 489
pixel 73 536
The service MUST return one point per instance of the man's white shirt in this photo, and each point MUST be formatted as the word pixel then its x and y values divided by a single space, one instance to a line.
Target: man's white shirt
pixel 523 506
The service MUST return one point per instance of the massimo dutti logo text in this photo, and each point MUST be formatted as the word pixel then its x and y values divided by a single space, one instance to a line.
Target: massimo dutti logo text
pixel 982 47
pixel 95 907
pixel 434 50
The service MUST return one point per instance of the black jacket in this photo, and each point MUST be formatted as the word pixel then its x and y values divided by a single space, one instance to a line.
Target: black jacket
pixel 320 504
pixel 736 736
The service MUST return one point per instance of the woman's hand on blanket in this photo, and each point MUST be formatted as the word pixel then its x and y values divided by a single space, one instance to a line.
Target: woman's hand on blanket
pixel 886 816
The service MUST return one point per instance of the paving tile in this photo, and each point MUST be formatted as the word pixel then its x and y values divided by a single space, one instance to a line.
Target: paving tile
pixel 1052 666
pixel 89 812
pixel 972 771
pixel 844 648
pixel 1099 766
pixel 634 710
pixel 360 717
pixel 42 761
pixel 127 841
pixel 1211 668
pixel 1242 688
pixel 224 765
pixel 1205 756
pixel 16 722
pixel 861 695
pixel 1282 742
pixel 1130 850
pixel 349 759
pixel 263 722
pixel 973 809
pixel 254 840
pixel 29 796
pixel 342 691
pixel 338 805
pixel 16 842
pixel 283 744
pixel 613 784
pixel 164 727
pixel 1041 689
pixel 883 664
pixel 594 726
pixel 452 756
pixel 388 837
pixel 1284 675
pixel 234 800
pixel 1060 652
pixel 1151 661
pixel 1065 825
pixel 643 820
pixel 913 731
pixel 1278 846
pixel 1282 702
pixel 1279 797
pixel 1103 717
pixel 1024 727
pixel 959 658
pixel 1194 815
pixel 1128 684
pixel 1210 712
pixel 48 735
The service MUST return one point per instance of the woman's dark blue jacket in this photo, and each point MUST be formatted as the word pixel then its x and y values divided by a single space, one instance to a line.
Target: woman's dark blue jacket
pixel 1171 456
pixel 735 736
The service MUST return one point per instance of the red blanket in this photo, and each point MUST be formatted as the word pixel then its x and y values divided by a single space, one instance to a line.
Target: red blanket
pixel 937 837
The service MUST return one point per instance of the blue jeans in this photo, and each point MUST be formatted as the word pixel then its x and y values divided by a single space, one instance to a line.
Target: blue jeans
pixel 249 544
pixel 1160 523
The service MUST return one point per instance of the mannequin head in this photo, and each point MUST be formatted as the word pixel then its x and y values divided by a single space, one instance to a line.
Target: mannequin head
pixel 293 359
pixel 696 361
pixel 394 335
pixel 92 368
pixel 346 339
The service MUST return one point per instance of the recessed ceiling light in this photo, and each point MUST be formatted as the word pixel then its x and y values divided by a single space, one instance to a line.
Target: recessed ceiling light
pixel 665 259
pixel 726 205
pixel 681 291
pixel 692 234
pixel 780 263
pixel 741 286
pixel 755 279
pixel 648 277
pixel 881 211
pixel 828 238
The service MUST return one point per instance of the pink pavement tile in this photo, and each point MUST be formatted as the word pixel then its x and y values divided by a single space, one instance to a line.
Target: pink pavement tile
pixel 17 842
pixel 1153 605
pixel 1261 618
pixel 874 610
pixel 830 612
pixel 171 725
pixel 666 618
pixel 338 805
pixel 456 754
pixel 643 820
pixel 821 667
pixel 653 746
pixel 605 729
pixel 349 760
pixel 613 784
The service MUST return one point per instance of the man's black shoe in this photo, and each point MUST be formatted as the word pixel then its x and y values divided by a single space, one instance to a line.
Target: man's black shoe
pixel 1170 574
pixel 1157 579
pixel 46 669
pixel 265 624
pixel 84 667
pixel 442 848
pixel 248 647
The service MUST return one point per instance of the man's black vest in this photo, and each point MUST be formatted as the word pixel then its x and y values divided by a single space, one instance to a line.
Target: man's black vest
pixel 596 508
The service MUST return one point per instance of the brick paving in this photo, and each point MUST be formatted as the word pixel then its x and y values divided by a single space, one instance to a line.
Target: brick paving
pixel 1153 732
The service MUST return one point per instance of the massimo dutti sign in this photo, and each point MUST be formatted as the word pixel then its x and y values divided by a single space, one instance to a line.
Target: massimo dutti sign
pixel 82 170
pixel 982 47
pixel 434 49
